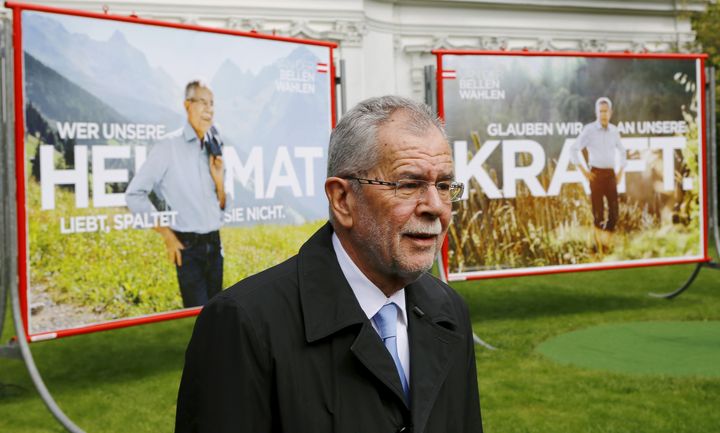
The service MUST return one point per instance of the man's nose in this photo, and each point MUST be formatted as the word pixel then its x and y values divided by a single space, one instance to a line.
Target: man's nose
pixel 430 201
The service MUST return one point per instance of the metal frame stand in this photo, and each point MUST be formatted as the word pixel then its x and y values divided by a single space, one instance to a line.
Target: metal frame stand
pixel 18 347
pixel 712 170
pixel 4 265
pixel 5 232
pixel 340 81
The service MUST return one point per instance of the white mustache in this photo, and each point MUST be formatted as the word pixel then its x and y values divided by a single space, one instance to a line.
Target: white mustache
pixel 421 228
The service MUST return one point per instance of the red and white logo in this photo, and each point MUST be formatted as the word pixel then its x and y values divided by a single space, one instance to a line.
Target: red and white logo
pixel 322 68
pixel 449 74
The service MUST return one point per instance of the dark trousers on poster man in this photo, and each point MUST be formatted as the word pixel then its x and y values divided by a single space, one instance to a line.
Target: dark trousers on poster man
pixel 201 274
pixel 604 186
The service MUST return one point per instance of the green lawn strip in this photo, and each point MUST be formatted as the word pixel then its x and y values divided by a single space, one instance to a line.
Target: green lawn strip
pixel 126 380
pixel 673 348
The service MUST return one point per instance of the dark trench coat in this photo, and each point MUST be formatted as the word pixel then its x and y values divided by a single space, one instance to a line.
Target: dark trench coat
pixel 290 350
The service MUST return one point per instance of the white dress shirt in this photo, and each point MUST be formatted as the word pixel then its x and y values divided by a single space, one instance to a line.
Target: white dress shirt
pixel 602 145
pixel 371 299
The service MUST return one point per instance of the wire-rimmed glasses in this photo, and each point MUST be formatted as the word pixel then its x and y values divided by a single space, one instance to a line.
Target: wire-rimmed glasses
pixel 449 191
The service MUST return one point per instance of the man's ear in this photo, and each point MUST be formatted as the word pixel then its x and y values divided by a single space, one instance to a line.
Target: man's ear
pixel 341 199
pixel 186 103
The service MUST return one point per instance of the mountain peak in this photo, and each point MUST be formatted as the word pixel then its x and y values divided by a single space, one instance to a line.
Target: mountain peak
pixel 117 38
pixel 229 65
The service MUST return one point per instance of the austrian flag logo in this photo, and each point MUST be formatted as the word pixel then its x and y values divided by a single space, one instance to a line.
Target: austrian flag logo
pixel 449 74
pixel 322 68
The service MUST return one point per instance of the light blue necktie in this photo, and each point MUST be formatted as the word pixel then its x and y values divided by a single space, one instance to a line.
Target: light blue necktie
pixel 386 322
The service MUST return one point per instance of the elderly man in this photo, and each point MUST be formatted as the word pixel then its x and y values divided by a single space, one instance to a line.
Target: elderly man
pixel 186 170
pixel 351 334
pixel 602 141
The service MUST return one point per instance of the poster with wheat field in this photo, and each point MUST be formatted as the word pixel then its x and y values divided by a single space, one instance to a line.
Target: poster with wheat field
pixel 573 162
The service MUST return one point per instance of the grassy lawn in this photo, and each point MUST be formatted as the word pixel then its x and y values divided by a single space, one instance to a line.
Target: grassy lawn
pixel 126 380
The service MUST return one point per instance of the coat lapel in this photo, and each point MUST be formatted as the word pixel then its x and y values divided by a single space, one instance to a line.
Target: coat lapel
pixel 368 348
pixel 329 305
pixel 433 344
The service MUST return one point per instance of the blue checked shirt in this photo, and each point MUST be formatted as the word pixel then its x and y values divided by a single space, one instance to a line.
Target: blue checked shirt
pixel 178 170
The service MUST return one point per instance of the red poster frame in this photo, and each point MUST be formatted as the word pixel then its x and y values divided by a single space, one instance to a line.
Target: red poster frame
pixel 439 53
pixel 23 269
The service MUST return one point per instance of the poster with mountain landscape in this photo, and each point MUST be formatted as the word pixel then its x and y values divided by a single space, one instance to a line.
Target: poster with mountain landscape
pixel 524 126
pixel 98 94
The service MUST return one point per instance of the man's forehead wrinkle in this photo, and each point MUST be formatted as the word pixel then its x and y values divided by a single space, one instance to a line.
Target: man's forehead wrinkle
pixel 409 150
pixel 418 152
pixel 440 165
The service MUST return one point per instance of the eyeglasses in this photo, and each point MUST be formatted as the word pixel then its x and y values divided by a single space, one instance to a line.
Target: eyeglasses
pixel 205 103
pixel 449 191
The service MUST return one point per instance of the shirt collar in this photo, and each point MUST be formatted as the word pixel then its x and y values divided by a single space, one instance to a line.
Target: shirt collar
pixel 598 125
pixel 189 133
pixel 369 296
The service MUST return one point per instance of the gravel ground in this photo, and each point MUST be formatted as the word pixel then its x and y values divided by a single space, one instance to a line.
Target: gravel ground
pixel 46 315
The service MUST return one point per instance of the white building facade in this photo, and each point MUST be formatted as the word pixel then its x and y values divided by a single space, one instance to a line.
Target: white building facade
pixel 386 43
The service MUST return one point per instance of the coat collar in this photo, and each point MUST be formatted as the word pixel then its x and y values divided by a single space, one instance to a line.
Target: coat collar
pixel 329 306
pixel 434 342
pixel 327 301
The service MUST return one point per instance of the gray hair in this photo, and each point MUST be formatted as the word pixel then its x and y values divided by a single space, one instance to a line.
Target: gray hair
pixel 353 149
pixel 194 85
pixel 602 100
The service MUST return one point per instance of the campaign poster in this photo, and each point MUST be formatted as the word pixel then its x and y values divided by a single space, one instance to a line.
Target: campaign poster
pixel 574 162
pixel 105 104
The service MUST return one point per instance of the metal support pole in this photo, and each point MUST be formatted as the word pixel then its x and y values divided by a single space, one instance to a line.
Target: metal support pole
pixel 3 297
pixel 10 230
pixel 6 182
pixel 713 162
pixel 47 398
pixel 4 155
pixel 430 87
pixel 343 88
pixel 682 288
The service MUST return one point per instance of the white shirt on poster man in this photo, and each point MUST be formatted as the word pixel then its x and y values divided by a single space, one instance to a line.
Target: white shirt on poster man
pixel 602 145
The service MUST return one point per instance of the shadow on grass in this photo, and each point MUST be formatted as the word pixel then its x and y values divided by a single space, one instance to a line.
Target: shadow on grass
pixel 584 292
pixel 530 306
pixel 9 390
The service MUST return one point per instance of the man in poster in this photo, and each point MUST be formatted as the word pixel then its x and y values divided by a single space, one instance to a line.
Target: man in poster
pixel 186 170
pixel 602 141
